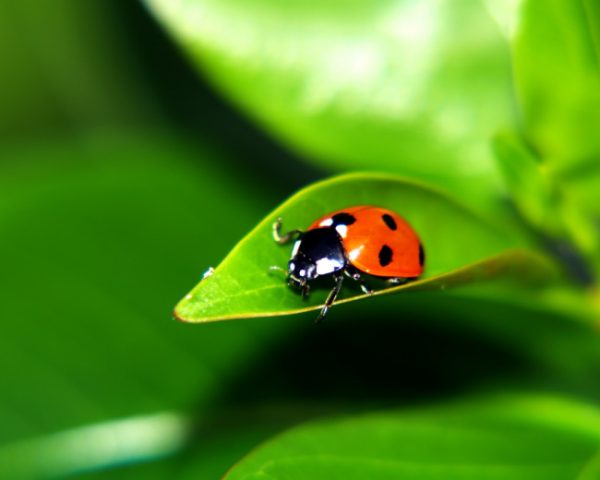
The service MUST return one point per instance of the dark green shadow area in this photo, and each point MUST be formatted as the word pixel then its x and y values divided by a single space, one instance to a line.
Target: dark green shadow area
pixel 389 353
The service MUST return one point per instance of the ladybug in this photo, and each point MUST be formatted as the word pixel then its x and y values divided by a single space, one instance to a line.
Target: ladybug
pixel 349 242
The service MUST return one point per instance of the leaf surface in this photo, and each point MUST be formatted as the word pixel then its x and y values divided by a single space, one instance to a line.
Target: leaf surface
pixel 521 438
pixel 415 87
pixel 525 176
pixel 460 247
pixel 556 56
pixel 91 269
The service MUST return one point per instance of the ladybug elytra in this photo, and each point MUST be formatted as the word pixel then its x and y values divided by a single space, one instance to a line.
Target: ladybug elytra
pixel 349 242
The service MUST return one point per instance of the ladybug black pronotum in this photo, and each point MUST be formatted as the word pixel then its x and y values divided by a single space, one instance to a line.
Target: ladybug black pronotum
pixel 363 239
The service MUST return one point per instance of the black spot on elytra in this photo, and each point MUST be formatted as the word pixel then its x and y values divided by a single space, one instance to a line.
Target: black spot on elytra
pixel 342 219
pixel 385 256
pixel 389 221
pixel 421 255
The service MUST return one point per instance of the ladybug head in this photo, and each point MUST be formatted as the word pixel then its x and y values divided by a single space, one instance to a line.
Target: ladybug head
pixel 300 270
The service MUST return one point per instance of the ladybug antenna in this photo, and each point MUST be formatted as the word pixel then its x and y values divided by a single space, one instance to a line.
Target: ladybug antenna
pixel 274 267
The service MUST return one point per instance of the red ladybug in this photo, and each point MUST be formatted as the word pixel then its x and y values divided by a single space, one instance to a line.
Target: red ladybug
pixel 364 239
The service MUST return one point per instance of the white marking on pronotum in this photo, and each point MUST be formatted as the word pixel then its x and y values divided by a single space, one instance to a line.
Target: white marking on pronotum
pixel 326 223
pixel 296 248
pixel 327 265
pixel 342 230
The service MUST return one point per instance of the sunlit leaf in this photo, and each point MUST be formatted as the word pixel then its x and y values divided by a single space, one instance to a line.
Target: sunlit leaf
pixel 556 52
pixel 460 247
pixel 91 447
pixel 565 208
pixel 526 179
pixel 415 87
pixel 521 438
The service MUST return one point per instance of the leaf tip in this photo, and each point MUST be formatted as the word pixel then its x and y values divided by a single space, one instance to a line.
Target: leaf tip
pixel 181 312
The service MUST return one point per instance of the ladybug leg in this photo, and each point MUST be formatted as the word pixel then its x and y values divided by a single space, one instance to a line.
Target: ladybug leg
pixel 354 275
pixel 287 236
pixel 305 290
pixel 331 298
pixel 397 281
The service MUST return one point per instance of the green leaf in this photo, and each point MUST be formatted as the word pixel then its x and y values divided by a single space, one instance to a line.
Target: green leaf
pixel 409 87
pixel 565 208
pixel 96 446
pixel 91 266
pixel 556 55
pixel 516 437
pixel 525 175
pixel 460 247
pixel 556 52
pixel 64 68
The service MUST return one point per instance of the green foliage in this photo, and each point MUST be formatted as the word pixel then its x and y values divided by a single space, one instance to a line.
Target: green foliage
pixel 557 70
pixel 394 86
pixel 527 181
pixel 476 121
pixel 77 234
pixel 556 58
pixel 51 83
pixel 516 438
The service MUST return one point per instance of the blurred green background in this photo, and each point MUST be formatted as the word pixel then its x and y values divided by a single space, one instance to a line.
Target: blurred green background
pixel 125 172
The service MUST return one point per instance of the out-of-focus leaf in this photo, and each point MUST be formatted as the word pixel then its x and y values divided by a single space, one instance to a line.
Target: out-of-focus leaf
pixel 434 344
pixel 97 446
pixel 525 177
pixel 460 247
pixel 565 208
pixel 556 53
pixel 64 67
pixel 521 438
pixel 415 87
pixel 583 226
pixel 94 247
